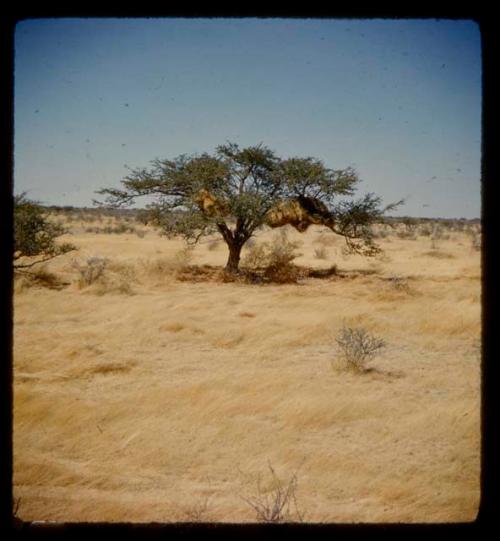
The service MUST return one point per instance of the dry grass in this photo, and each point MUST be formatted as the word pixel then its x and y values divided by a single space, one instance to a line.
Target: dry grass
pixel 147 407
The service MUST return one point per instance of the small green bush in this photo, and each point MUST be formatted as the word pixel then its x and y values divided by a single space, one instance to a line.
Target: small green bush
pixel 34 234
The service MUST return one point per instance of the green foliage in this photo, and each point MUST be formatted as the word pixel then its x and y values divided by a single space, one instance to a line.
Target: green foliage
pixel 34 234
pixel 232 191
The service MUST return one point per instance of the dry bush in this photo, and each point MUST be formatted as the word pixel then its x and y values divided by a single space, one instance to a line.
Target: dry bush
pixel 256 256
pixel 279 268
pixel 91 271
pixel 113 285
pixel 399 283
pixel 357 347
pixel 101 278
pixel 275 259
pixel 198 511
pixel 276 502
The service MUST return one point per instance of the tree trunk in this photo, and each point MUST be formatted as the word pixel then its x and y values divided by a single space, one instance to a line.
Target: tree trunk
pixel 233 261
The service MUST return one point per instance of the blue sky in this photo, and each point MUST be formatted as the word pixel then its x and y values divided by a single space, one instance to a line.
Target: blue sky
pixel 398 100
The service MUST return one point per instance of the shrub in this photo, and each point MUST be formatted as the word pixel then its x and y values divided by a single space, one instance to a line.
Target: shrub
pixel 278 503
pixel 357 347
pixel 256 256
pixel 274 259
pixel 279 267
pixel 197 511
pixel 399 283
pixel 34 234
pixel 104 277
pixel 91 271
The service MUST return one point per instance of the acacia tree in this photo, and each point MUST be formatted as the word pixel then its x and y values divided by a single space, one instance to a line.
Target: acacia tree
pixel 34 234
pixel 235 191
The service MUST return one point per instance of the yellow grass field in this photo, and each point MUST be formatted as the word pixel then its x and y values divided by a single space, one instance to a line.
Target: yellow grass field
pixel 142 397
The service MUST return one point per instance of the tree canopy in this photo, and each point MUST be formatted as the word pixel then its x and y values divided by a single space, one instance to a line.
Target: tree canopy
pixel 236 190
pixel 34 234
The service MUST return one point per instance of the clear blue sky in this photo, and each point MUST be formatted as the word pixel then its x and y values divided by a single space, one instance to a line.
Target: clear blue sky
pixel 398 100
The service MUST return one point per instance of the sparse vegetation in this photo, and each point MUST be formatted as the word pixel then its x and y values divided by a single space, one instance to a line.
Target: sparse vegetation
pixel 257 256
pixel 399 283
pixel 276 502
pixel 275 259
pixel 90 271
pixel 174 348
pixel 38 277
pixel 198 511
pixel 279 266
pixel 357 347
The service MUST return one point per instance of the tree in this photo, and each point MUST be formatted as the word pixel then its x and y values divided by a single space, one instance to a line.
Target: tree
pixel 34 235
pixel 235 191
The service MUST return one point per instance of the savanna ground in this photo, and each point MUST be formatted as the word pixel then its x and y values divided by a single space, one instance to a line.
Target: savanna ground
pixel 150 391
